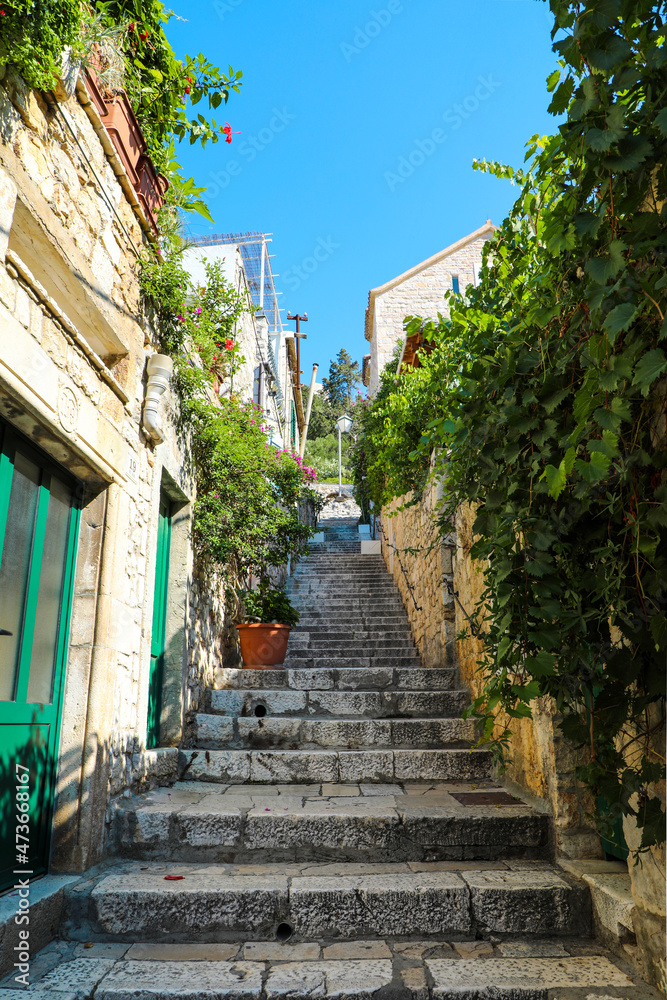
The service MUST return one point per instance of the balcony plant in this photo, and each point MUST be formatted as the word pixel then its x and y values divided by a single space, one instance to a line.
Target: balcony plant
pixel 267 617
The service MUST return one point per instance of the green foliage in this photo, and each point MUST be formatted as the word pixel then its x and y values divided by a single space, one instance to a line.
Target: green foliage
pixel 160 86
pixel 323 455
pixel 33 34
pixel 268 604
pixel 322 414
pixel 543 404
pixel 344 378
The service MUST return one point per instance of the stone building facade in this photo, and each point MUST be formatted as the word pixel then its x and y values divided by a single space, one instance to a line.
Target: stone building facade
pixel 419 292
pixel 268 373
pixel 110 632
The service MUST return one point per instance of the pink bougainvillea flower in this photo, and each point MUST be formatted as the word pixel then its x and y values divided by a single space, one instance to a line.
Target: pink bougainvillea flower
pixel 228 132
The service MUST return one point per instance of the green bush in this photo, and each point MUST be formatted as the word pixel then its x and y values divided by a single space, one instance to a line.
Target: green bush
pixel 268 604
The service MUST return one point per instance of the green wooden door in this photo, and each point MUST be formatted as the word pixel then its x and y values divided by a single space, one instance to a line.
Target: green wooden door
pixel 39 519
pixel 159 624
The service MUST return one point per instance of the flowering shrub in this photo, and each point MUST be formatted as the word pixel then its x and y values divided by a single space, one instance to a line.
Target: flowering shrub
pixel 246 512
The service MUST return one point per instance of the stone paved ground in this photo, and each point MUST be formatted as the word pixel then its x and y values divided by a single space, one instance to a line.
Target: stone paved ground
pixel 516 968
pixel 327 838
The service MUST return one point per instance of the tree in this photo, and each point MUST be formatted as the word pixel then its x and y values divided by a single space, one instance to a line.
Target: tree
pixel 344 378
pixel 322 415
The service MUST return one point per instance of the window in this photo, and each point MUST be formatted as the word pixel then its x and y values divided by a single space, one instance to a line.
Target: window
pixel 455 284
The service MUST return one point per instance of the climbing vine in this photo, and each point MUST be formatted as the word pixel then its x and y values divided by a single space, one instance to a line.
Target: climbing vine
pixel 544 403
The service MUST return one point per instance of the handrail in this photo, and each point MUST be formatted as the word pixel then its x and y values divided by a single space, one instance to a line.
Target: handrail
pixel 398 553
pixel 476 631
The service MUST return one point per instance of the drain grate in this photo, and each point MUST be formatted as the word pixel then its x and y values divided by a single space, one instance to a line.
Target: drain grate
pixel 486 799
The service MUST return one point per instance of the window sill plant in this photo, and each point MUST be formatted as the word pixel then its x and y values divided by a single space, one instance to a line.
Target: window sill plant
pixel 267 620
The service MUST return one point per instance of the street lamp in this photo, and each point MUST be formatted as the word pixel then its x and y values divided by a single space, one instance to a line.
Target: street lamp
pixel 344 425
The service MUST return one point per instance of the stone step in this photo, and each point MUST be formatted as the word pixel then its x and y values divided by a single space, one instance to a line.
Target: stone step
pixel 333 632
pixel 270 703
pixel 331 660
pixel 333 766
pixel 217 732
pixel 441 968
pixel 134 902
pixel 354 650
pixel 337 580
pixel 195 821
pixel 345 602
pixel 340 678
pixel 353 620
pixel 349 590
pixel 353 647
pixel 333 577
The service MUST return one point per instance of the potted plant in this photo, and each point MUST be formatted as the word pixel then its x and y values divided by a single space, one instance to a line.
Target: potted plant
pixel 267 619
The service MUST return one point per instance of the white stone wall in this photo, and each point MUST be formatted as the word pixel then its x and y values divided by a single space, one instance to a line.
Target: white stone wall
pixel 422 294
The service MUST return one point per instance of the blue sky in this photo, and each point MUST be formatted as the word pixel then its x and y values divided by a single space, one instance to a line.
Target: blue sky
pixel 337 156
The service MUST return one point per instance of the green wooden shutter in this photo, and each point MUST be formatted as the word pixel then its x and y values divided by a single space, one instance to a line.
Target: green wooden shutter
pixel 159 624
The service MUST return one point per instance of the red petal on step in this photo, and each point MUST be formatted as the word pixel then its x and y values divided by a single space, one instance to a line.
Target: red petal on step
pixel 173 878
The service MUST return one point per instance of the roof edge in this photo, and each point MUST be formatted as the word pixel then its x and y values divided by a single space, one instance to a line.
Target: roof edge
pixel 488 225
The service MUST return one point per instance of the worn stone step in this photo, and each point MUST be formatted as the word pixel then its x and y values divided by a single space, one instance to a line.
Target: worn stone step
pixel 349 602
pixel 208 822
pixel 340 704
pixel 340 678
pixel 362 647
pixel 330 660
pixel 441 967
pixel 289 766
pixel 218 732
pixel 336 650
pixel 333 632
pixel 342 584
pixel 363 619
pixel 134 902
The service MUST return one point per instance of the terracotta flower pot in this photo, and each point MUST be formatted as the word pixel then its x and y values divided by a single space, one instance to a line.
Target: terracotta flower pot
pixel 263 646
pixel 120 122
pixel 151 188
pixel 127 137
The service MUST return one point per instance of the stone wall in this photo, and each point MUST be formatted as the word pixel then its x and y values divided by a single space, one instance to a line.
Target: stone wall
pixel 73 351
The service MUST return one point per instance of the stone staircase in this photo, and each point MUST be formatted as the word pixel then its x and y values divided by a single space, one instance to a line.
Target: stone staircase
pixel 333 833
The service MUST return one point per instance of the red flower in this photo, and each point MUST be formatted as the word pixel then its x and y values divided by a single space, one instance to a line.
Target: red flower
pixel 131 26
pixel 143 35
pixel 187 89
pixel 229 344
pixel 228 132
